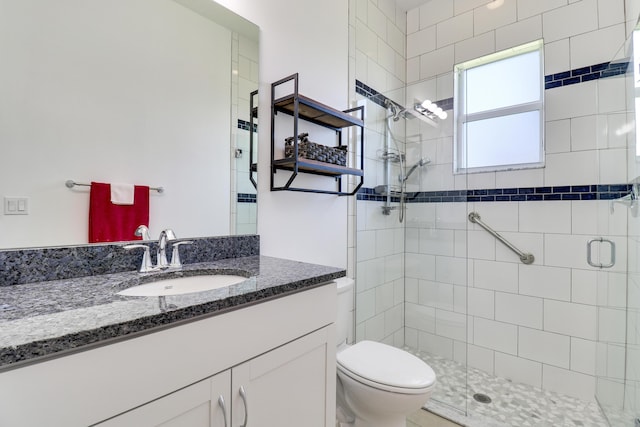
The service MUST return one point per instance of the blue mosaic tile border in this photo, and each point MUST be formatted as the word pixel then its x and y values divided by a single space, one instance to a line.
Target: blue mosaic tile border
pixel 566 78
pixel 445 104
pixel 245 125
pixel 380 99
pixel 524 194
pixel 585 74
pixel 373 95
pixel 247 198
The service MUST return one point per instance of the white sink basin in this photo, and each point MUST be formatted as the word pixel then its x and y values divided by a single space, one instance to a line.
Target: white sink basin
pixel 182 285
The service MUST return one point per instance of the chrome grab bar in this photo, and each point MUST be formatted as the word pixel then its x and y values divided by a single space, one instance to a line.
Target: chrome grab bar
pixel 526 258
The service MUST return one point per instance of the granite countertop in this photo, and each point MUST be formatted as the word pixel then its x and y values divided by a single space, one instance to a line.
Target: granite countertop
pixel 47 319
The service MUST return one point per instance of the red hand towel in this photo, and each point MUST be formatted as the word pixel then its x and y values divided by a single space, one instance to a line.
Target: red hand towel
pixel 114 223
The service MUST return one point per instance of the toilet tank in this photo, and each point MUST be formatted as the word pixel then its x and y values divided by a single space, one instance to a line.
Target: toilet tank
pixel 345 319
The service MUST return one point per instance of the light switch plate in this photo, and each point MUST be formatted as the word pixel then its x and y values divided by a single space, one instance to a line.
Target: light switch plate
pixel 16 206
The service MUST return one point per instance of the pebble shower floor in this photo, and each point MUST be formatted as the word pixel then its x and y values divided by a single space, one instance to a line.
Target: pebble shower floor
pixel 512 404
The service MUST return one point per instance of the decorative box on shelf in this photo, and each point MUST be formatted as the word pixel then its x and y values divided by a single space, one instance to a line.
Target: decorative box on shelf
pixel 314 151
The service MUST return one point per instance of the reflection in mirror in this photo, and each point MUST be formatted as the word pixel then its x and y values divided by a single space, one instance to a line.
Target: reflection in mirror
pixel 146 92
pixel 246 173
pixel 636 83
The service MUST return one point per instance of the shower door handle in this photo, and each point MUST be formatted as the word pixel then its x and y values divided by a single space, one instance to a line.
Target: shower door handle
pixel 612 261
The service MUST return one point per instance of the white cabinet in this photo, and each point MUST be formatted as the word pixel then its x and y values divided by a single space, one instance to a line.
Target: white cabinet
pixel 203 404
pixel 285 387
pixel 281 352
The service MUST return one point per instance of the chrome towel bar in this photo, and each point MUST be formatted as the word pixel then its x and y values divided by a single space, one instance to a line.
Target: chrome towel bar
pixel 526 258
pixel 71 183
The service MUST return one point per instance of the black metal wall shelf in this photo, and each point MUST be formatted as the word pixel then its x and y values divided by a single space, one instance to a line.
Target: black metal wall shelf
pixel 303 108
pixel 316 167
pixel 317 113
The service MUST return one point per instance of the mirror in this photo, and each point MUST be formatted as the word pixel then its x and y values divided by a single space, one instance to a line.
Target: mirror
pixel 147 92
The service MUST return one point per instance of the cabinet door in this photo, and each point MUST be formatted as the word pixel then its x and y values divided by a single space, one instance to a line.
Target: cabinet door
pixel 197 405
pixel 291 386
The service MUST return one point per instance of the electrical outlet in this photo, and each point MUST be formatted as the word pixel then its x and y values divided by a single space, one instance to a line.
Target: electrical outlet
pixel 16 206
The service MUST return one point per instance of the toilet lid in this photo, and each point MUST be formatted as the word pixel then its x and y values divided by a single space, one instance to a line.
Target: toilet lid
pixel 388 367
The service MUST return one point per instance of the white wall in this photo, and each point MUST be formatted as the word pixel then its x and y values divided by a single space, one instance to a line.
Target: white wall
pixel 310 38
pixel 135 91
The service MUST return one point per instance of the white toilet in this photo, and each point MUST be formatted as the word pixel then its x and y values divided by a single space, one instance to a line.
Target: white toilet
pixel 377 385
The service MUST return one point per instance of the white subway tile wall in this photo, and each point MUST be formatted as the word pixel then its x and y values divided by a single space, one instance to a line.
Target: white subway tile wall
pixel 518 369
pixel 518 33
pixel 556 324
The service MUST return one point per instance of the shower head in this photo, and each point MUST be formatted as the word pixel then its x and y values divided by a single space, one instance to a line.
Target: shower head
pixel 423 161
pixel 394 109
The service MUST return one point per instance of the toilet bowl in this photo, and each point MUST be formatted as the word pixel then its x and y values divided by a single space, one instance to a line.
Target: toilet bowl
pixel 378 385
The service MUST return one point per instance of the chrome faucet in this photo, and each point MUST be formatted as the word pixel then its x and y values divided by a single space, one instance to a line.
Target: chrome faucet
pixel 165 236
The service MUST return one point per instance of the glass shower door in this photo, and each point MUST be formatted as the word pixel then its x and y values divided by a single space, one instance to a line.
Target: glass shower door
pixel 436 247
pixel 617 360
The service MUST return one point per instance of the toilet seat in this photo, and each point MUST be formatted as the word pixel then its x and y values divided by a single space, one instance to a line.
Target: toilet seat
pixel 386 368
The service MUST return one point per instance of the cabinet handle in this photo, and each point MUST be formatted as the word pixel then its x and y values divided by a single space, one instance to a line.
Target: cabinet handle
pixel 224 409
pixel 243 395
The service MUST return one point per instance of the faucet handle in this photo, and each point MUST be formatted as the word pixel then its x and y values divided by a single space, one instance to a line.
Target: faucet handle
pixel 175 253
pixel 146 265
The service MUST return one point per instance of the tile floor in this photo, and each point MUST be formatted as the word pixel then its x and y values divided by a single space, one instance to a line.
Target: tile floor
pixel 423 418
pixel 512 404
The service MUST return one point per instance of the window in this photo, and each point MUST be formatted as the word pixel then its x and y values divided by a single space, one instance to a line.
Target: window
pixel 499 111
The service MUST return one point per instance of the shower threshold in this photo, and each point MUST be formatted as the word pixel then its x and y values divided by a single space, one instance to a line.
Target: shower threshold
pixel 511 404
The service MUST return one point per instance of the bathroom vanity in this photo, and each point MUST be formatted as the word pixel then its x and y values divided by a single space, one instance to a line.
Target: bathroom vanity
pixel 258 353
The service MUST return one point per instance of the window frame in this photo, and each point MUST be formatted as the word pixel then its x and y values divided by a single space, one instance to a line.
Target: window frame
pixel 461 118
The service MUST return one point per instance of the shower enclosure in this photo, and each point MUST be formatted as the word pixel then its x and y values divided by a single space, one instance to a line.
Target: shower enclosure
pixel 552 342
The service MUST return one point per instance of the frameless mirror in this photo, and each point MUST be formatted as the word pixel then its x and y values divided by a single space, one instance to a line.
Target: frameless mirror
pixel 147 92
